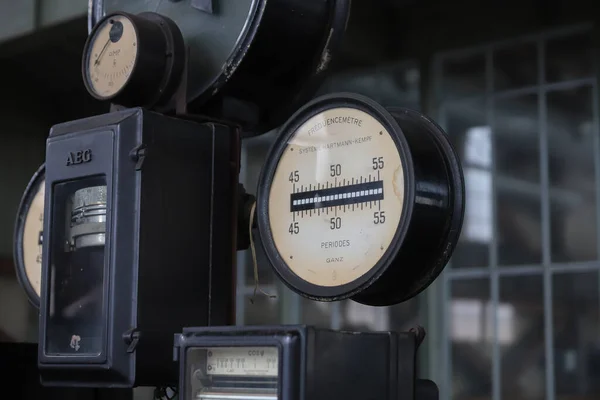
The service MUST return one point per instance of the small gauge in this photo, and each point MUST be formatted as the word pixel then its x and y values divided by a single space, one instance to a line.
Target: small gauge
pixel 28 237
pixel 359 201
pixel 133 60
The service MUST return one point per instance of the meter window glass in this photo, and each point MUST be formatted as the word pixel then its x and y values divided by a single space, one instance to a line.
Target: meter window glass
pixel 75 323
pixel 220 373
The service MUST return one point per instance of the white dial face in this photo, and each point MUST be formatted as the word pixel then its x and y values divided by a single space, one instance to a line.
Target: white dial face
pixel 111 56
pixel 32 239
pixel 337 197
pixel 242 361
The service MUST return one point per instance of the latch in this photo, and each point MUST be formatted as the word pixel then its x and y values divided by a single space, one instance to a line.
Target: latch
pixel 131 339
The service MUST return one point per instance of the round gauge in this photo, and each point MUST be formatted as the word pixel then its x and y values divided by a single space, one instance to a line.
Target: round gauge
pixel 133 60
pixel 111 56
pixel 359 201
pixel 28 237
pixel 253 62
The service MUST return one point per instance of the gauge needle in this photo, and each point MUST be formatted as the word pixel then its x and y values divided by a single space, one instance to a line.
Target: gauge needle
pixel 102 52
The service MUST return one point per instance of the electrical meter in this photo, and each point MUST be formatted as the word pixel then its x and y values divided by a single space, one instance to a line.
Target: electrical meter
pixel 298 363
pixel 28 237
pixel 135 245
pixel 359 201
pixel 252 62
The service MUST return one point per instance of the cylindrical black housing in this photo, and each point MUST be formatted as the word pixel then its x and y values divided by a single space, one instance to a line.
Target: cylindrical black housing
pixel 436 209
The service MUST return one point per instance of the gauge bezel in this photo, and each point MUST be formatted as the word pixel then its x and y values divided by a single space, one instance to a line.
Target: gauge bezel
pixel 286 132
pixel 87 51
pixel 19 257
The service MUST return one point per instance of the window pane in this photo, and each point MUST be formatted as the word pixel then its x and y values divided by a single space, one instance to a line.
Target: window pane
pixel 471 336
pixel 518 216
pixel 463 76
pixel 576 326
pixel 520 316
pixel 572 179
pixel 515 67
pixel 569 58
pixel 470 134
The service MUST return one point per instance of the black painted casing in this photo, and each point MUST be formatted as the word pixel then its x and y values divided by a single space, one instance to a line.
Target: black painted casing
pixel 169 253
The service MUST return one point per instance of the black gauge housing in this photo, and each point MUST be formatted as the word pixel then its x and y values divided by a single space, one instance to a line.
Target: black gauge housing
pixel 432 216
pixel 139 243
pixel 159 63
pixel 19 247
pixel 313 364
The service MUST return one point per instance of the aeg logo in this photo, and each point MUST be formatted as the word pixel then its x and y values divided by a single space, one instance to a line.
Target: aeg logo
pixel 79 157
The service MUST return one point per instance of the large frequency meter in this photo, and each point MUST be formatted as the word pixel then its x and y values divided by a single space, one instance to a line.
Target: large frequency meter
pixel 359 201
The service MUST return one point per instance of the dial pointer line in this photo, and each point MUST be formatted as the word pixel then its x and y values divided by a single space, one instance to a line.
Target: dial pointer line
pixel 102 52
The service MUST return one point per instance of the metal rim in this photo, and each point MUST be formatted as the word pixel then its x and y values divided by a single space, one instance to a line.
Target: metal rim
pixel 281 268
pixel 19 257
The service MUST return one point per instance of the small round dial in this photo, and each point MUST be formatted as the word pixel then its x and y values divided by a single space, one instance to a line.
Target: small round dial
pixel 359 201
pixel 111 56
pixel 134 60
pixel 29 237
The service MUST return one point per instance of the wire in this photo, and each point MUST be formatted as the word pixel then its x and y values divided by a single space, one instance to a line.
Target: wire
pixel 254 261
